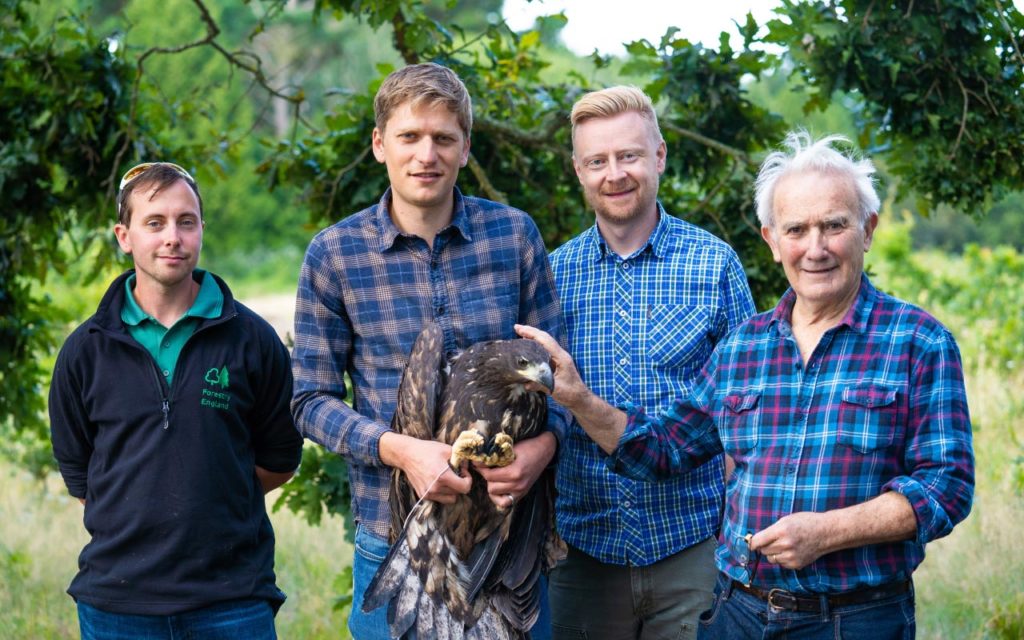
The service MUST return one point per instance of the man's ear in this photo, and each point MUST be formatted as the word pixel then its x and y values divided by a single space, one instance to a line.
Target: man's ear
pixel 869 230
pixel 769 237
pixel 465 153
pixel 121 233
pixel 377 142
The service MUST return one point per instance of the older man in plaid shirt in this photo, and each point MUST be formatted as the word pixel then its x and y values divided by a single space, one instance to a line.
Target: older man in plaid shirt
pixel 369 284
pixel 843 408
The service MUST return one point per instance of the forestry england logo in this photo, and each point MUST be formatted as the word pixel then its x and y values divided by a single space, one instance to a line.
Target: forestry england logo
pixel 217 378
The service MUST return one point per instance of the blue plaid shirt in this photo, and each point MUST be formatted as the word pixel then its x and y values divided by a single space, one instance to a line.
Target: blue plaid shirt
pixel 640 329
pixel 880 406
pixel 365 292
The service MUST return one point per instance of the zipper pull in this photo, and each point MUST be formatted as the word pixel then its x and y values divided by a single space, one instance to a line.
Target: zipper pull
pixel 167 409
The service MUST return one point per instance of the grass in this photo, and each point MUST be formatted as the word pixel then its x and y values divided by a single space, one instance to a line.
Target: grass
pixel 971 585
pixel 41 534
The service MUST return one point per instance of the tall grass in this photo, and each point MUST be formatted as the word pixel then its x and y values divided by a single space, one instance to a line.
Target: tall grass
pixel 41 533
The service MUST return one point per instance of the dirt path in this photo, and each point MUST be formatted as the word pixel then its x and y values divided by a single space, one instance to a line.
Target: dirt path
pixel 278 310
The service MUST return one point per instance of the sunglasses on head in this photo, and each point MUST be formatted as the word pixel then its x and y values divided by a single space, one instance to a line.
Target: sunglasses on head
pixel 139 169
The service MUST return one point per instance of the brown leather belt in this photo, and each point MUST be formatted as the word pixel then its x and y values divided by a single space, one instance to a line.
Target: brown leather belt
pixel 788 601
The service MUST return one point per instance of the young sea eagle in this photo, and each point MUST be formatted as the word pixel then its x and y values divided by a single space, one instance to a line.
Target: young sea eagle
pixel 469 570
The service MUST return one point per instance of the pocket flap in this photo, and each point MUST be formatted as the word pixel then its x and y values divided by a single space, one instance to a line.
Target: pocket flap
pixel 869 396
pixel 738 403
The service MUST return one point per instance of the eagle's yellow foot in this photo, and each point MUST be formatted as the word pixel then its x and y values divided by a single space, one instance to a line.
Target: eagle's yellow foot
pixel 468 447
pixel 465 448
pixel 503 454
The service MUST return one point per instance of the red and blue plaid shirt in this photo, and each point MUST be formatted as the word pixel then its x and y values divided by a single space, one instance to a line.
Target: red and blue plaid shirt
pixel 365 292
pixel 880 406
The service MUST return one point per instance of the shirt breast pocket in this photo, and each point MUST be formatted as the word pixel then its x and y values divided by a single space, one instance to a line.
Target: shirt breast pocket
pixel 677 334
pixel 867 418
pixel 741 423
pixel 487 312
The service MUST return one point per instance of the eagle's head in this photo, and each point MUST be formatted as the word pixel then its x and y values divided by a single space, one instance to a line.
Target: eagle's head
pixel 515 366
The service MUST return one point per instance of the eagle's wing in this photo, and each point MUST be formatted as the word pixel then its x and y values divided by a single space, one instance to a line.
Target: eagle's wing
pixel 416 413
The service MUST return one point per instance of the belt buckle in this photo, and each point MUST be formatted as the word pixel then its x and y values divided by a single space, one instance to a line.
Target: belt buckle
pixel 781 599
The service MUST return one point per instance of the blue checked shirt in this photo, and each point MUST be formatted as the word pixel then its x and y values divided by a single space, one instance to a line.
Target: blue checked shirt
pixel 640 329
pixel 365 292
pixel 880 406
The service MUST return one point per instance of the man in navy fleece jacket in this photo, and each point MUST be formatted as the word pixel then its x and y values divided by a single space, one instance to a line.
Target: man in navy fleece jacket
pixel 170 419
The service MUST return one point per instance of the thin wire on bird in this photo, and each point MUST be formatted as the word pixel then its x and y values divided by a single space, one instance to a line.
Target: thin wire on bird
pixel 429 487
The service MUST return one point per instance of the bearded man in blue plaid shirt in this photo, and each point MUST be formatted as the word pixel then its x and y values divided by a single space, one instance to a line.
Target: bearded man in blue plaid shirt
pixel 843 408
pixel 646 296
pixel 371 282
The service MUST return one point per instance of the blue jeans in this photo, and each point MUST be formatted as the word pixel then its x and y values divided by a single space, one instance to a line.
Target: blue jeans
pixel 736 614
pixel 369 555
pixel 235 620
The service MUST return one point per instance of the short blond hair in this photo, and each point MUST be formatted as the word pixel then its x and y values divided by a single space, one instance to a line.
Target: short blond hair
pixel 612 101
pixel 423 84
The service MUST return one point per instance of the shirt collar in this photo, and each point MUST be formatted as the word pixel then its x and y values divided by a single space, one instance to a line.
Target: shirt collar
pixel 856 317
pixel 389 231
pixel 209 301
pixel 657 242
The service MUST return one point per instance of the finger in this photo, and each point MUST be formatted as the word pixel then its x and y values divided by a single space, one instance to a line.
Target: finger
pixel 540 336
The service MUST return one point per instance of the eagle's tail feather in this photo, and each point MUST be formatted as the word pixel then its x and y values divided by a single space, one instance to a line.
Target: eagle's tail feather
pixel 479 565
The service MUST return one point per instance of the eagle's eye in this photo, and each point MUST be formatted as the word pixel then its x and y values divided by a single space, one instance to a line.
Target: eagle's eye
pixel 521 362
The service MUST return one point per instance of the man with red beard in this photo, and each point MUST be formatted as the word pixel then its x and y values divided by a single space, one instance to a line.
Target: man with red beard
pixel 645 296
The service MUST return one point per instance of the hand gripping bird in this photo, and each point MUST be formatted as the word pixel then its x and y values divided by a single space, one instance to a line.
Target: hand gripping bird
pixel 469 570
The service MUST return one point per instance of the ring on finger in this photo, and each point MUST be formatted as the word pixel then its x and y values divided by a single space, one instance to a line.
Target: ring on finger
pixel 511 500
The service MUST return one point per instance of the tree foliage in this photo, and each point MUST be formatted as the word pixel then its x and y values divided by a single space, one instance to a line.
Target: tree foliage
pixel 62 108
pixel 940 80
pixel 933 90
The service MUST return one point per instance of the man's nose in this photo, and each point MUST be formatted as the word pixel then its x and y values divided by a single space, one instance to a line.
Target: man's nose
pixel 426 151
pixel 616 172
pixel 817 243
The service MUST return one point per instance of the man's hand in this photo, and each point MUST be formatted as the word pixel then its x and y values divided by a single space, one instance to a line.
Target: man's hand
pixel 569 389
pixel 422 461
pixel 797 540
pixel 794 541
pixel 532 456
pixel 602 422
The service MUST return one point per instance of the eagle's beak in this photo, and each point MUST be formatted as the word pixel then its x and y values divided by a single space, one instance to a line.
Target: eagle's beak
pixel 541 379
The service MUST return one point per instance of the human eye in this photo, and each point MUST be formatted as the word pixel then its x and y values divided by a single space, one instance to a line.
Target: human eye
pixel 835 226
pixel 793 230
pixel 595 163
pixel 154 224
pixel 629 156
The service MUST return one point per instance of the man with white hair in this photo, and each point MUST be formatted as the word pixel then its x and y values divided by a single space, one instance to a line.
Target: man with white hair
pixel 843 408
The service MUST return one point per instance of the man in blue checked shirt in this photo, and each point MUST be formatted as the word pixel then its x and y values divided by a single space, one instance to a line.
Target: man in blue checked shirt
pixel 646 296
pixel 843 408
pixel 371 282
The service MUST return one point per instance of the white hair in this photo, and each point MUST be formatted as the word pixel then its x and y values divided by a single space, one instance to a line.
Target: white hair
pixel 805 154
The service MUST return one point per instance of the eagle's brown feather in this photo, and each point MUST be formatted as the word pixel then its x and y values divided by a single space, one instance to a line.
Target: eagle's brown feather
pixel 474 567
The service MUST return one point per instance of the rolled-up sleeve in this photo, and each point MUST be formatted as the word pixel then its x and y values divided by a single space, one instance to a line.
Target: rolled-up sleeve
pixel 939 454
pixel 682 438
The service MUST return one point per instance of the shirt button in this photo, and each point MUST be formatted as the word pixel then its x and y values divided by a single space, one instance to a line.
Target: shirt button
pixel 625 265
pixel 440 310
pixel 166 373
pixel 624 361
pixel 623 313
pixel 627 504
